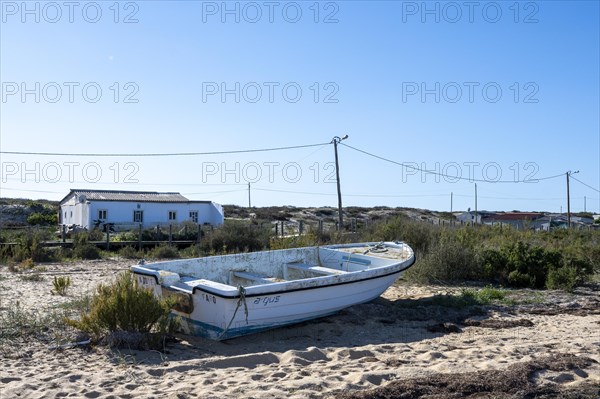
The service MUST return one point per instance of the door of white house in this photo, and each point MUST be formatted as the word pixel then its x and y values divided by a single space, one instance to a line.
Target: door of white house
pixel 138 216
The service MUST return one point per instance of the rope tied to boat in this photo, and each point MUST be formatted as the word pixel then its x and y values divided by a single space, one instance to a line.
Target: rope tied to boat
pixel 377 248
pixel 242 292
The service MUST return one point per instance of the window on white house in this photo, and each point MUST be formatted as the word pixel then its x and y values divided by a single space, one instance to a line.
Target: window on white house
pixel 102 214
pixel 71 215
pixel 65 215
pixel 138 216
pixel 194 216
pixel 172 215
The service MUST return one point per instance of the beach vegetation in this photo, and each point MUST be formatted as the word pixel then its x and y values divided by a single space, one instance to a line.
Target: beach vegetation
pixel 129 252
pixel 164 251
pixel 126 314
pixel 35 277
pixel 83 249
pixel 61 284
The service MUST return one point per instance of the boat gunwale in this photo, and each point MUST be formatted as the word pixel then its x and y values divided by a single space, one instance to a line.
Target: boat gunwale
pixel 349 278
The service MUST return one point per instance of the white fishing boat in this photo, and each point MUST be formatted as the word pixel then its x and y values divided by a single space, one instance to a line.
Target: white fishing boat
pixel 222 297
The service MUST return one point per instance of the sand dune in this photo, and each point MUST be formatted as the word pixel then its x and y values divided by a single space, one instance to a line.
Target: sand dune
pixel 369 346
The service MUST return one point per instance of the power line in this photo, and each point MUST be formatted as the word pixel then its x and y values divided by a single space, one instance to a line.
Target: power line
pixel 31 191
pixel 587 185
pixel 172 154
pixel 21 180
pixel 450 176
pixel 216 192
pixel 350 195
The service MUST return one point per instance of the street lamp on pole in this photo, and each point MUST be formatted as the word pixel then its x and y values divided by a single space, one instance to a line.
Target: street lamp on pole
pixel 335 142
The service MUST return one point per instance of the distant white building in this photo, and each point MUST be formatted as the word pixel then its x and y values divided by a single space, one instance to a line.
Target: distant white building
pixel 130 209
pixel 469 217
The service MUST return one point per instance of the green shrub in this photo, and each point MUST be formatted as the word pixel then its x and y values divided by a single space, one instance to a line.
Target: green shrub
pixel 94 235
pixel 418 235
pixel 27 264
pixel 488 294
pixel 164 251
pixel 518 279
pixel 42 219
pixel 82 248
pixel 32 277
pixel 447 259
pixel 520 264
pixel 129 253
pixel 306 240
pixel 574 271
pixel 80 238
pixel 484 296
pixel 87 251
pixel 125 236
pixel 236 237
pixel 495 265
pixel 128 312
pixel 193 251
pixel 18 322
pixel 64 253
pixel 29 245
pixel 593 255
pixel 564 278
pixel 61 284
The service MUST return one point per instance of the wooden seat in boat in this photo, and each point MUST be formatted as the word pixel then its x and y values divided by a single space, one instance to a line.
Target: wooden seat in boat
pixel 254 277
pixel 323 271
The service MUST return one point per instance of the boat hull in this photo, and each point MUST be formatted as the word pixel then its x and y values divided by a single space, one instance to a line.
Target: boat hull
pixel 277 309
pixel 331 279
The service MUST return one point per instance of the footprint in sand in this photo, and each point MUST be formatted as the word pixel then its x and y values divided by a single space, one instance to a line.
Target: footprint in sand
pixel 245 361
pixel 304 358
pixel 431 356
pixel 375 379
pixel 358 354
pixel 155 372
pixel 6 380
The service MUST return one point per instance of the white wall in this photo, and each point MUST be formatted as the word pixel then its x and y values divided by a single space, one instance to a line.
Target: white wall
pixel 73 212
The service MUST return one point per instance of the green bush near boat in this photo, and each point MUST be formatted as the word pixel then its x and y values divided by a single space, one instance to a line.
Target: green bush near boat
pixel 125 314
pixel 164 251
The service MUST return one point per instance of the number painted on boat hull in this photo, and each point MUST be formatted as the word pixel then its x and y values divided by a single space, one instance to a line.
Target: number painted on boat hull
pixel 146 281
pixel 266 300
pixel 209 298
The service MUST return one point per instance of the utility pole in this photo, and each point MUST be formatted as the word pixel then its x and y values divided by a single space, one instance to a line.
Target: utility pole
pixel 569 173
pixel 249 202
pixel 476 203
pixel 335 142
pixel 584 203
pixel 568 203
pixel 451 194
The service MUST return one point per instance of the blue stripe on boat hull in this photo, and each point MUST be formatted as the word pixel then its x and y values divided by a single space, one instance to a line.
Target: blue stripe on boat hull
pixel 209 331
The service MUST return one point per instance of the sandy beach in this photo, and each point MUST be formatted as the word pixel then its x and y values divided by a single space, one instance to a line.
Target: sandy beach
pixel 404 340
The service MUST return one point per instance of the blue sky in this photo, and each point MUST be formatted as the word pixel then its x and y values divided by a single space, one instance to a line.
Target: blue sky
pixel 492 90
